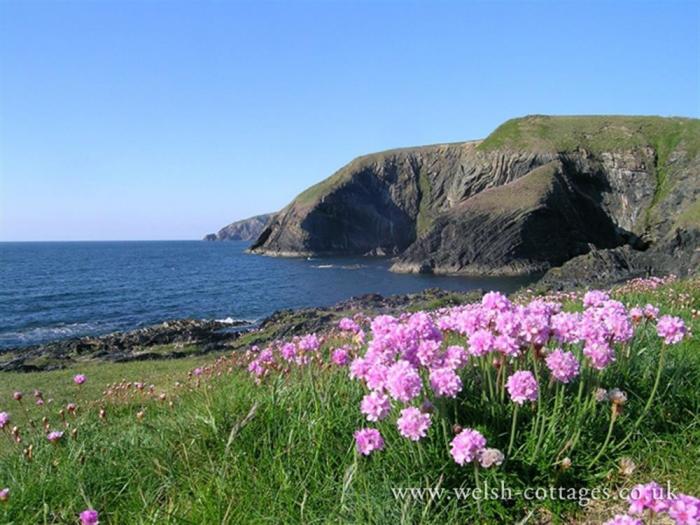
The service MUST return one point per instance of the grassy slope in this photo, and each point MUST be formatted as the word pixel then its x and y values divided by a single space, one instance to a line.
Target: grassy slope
pixel 293 461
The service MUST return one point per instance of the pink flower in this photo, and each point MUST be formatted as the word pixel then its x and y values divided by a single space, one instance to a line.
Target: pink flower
pixel 636 314
pixel 595 298
pixel 376 377
pixel 288 351
pixel 348 325
pixel 4 419
pixel 368 440
pixel 340 357
pixel 445 382
pixel 600 354
pixel 455 357
pixel 79 379
pixel 17 396
pixel 197 372
pixel 522 387
pixel 563 365
pixel 650 496
pixel 623 519
pixel 685 510
pixel 671 329
pixel 403 381
pixel 481 343
pixel 651 311
pixel 4 495
pixel 467 446
pixel 375 406
pixel 413 424
pixel 54 436
pixel 89 517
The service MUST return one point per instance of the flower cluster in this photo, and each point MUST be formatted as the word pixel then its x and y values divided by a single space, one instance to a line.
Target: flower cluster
pixel 652 499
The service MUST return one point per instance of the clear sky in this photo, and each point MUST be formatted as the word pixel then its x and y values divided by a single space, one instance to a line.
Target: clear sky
pixel 167 120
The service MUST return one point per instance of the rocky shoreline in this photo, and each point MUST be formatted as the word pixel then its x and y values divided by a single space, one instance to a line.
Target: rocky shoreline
pixel 189 337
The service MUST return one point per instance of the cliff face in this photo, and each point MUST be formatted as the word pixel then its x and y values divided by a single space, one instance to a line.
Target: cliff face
pixel 245 230
pixel 538 192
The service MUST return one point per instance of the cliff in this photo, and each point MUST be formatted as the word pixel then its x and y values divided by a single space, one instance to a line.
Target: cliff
pixel 539 193
pixel 245 230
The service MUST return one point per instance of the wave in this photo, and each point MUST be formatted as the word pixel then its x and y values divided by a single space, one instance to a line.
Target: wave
pixel 40 334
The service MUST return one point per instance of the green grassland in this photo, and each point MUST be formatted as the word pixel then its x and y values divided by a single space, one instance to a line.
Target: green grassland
pixel 220 449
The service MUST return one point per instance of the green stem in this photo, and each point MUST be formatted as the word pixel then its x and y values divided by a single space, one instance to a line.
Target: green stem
pixel 476 484
pixel 512 430
pixel 613 417
pixel 649 401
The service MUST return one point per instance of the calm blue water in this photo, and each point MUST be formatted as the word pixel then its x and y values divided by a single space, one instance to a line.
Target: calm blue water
pixel 50 291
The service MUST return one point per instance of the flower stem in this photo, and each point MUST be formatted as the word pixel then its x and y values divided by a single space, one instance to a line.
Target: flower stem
pixel 512 430
pixel 613 417
pixel 476 485
pixel 647 406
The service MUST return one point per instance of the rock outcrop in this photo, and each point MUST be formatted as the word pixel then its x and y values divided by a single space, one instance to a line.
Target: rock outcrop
pixel 245 230
pixel 536 194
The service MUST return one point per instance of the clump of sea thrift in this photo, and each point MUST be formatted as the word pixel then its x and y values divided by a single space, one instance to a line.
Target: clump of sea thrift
pixel 367 440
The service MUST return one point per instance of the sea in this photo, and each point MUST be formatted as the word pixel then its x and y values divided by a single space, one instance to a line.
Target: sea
pixel 57 290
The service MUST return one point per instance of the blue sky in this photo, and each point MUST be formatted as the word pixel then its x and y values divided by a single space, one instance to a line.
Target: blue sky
pixel 167 120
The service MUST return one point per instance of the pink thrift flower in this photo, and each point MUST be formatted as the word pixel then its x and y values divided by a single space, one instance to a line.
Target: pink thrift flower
pixel 563 365
pixel 197 372
pixel 375 406
pixel 376 377
pixel 445 382
pixel 481 343
pixel 455 357
pixel 506 345
pixel 685 510
pixel 4 495
pixel 54 436
pixel 288 351
pixel 359 367
pixel 636 314
pixel 671 329
pixel 467 446
pixel 651 312
pixel 4 419
pixel 17 396
pixel 340 357
pixel 623 519
pixel 600 354
pixel 368 440
pixel 79 379
pixel 649 496
pixel 403 381
pixel 595 298
pixel 522 387
pixel 413 424
pixel 348 325
pixel 89 517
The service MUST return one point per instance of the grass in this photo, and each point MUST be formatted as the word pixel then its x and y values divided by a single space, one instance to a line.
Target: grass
pixel 228 451
pixel 595 134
